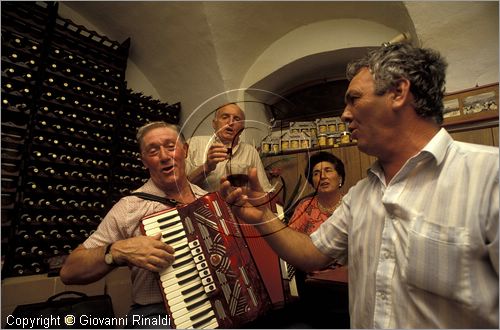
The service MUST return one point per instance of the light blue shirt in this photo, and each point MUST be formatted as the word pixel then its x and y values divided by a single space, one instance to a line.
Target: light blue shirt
pixel 423 250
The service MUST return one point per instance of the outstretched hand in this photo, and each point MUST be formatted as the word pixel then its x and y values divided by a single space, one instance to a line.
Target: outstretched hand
pixel 247 203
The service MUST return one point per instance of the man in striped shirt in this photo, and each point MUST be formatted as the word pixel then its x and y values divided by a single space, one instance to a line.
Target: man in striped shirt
pixel 420 232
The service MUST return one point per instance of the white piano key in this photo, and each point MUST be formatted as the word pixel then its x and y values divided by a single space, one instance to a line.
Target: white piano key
pixel 195 316
pixel 182 307
pixel 205 321
pixel 183 315
pixel 180 243
pixel 151 231
pixel 158 217
pixel 183 276
pixel 166 224
pixel 175 300
pixel 176 290
pixel 172 277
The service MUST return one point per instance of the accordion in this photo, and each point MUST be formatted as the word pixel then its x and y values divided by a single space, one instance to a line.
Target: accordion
pixel 215 281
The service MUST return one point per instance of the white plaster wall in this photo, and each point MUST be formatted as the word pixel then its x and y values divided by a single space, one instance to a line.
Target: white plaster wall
pixel 317 38
pixel 310 39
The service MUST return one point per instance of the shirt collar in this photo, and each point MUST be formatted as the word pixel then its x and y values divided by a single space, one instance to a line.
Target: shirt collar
pixel 151 188
pixel 436 148
pixel 438 145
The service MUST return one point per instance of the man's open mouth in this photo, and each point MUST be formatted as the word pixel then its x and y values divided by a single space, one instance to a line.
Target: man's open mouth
pixel 167 169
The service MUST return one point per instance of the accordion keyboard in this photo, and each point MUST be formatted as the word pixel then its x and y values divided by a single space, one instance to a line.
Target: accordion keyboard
pixel 213 282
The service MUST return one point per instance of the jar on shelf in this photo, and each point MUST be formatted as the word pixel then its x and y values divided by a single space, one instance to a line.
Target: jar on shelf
pixel 345 137
pixel 322 140
pixel 330 139
pixel 266 147
pixel 313 132
pixel 275 147
pixel 285 145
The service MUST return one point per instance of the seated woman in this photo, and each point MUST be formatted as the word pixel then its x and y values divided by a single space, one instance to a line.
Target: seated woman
pixel 325 173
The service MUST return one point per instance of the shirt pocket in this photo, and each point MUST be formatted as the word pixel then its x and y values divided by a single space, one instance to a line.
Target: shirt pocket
pixel 438 260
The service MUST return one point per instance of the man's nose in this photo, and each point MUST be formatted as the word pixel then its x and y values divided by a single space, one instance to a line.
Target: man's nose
pixel 164 153
pixel 346 115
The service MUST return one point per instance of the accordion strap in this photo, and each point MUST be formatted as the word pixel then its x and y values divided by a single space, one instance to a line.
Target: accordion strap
pixel 154 198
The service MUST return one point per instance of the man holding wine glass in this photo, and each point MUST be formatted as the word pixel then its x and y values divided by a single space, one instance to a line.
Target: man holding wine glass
pixel 212 157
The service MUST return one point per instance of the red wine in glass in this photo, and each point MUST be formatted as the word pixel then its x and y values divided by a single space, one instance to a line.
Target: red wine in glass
pixel 238 180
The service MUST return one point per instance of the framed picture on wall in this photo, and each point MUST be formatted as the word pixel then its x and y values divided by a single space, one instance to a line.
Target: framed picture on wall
pixel 471 105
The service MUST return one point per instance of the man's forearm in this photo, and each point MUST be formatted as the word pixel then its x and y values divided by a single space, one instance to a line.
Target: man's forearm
pixel 84 266
pixel 291 245
pixel 197 176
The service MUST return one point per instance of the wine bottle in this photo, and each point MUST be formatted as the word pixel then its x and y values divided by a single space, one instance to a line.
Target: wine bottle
pixel 54 250
pixel 18 269
pixel 37 251
pixel 36 268
pixel 40 234
pixel 70 234
pixel 54 234
pixel 21 252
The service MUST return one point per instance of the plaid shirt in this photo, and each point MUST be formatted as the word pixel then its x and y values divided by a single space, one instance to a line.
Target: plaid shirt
pixel 122 222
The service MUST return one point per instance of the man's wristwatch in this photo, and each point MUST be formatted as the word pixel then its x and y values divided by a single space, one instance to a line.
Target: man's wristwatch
pixel 108 257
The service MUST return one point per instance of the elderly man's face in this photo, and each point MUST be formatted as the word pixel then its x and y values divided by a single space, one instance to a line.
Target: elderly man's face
pixel 163 154
pixel 369 115
pixel 228 123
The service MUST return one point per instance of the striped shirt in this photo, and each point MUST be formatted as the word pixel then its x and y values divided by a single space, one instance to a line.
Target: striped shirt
pixel 423 250
pixel 122 222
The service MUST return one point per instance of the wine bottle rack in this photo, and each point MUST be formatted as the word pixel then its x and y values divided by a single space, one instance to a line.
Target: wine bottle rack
pixel 68 134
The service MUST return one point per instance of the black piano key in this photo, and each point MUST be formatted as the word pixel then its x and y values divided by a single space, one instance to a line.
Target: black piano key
pixel 166 235
pixel 182 255
pixel 194 288
pixel 169 224
pixel 189 279
pixel 173 240
pixel 182 263
pixel 167 218
pixel 196 305
pixel 197 325
pixel 193 297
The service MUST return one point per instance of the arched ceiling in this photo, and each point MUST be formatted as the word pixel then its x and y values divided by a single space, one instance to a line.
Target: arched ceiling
pixel 203 48
pixel 190 51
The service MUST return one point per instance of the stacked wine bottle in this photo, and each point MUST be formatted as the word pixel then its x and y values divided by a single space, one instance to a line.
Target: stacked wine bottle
pixel 68 134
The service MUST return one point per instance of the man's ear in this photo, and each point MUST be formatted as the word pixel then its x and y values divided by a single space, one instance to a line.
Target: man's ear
pixel 143 162
pixel 186 148
pixel 401 94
